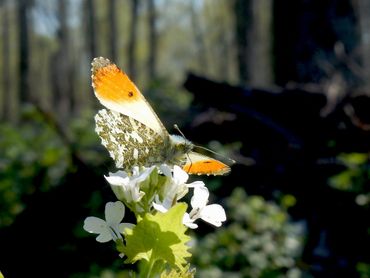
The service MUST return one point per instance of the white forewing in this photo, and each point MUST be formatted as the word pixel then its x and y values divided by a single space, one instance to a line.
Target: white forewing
pixel 139 110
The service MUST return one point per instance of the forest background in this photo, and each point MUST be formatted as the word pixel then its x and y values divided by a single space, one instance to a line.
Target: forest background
pixel 280 86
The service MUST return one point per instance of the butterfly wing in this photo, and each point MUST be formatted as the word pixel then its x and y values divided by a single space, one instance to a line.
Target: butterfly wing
pixel 200 164
pixel 128 141
pixel 132 132
pixel 117 92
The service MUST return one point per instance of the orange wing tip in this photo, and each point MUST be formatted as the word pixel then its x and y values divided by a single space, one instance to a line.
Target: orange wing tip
pixel 98 63
pixel 110 83
pixel 207 167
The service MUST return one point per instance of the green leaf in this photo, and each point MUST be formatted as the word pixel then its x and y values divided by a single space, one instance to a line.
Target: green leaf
pixel 343 180
pixel 353 158
pixel 185 273
pixel 159 237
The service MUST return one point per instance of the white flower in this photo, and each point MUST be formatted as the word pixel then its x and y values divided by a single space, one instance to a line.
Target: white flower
pixel 127 187
pixel 175 188
pixel 111 228
pixel 188 222
pixel 213 214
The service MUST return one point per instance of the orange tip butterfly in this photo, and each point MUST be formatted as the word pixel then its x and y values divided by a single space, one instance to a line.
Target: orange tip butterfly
pixel 131 130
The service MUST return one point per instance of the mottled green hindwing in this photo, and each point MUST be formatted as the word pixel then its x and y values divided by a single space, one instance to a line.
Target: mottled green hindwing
pixel 130 142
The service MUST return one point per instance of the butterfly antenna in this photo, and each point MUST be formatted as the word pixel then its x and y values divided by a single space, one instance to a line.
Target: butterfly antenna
pixel 232 161
pixel 182 134
pixel 178 129
pixel 191 162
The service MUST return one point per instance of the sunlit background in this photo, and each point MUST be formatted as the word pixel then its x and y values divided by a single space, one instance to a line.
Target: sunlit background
pixel 282 87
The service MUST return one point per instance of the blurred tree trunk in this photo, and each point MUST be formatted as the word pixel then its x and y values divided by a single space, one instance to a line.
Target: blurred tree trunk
pixel 113 30
pixel 260 65
pixel 152 59
pixel 198 38
pixel 89 15
pixel 24 50
pixel 362 8
pixel 6 90
pixel 223 65
pixel 92 50
pixel 61 67
pixel 242 11
pixel 133 39
pixel 254 41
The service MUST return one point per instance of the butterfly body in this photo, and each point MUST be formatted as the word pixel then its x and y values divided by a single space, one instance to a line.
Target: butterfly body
pixel 133 133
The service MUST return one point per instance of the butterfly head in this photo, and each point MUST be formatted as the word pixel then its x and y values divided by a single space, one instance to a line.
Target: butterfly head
pixel 194 162
pixel 181 144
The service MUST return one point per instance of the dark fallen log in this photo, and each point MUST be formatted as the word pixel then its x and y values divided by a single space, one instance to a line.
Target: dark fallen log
pixel 294 114
pixel 294 146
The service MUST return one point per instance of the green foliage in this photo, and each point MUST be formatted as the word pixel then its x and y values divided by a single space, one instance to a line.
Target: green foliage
pixel 169 101
pixel 33 158
pixel 185 273
pixel 355 178
pixel 82 135
pixel 159 237
pixel 363 269
pixel 356 175
pixel 259 242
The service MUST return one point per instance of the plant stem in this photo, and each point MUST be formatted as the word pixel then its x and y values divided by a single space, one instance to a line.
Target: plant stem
pixel 147 269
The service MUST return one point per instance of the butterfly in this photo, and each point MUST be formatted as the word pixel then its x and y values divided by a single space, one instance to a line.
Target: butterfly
pixel 132 132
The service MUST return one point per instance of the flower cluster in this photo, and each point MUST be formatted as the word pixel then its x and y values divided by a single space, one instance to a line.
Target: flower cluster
pixel 151 190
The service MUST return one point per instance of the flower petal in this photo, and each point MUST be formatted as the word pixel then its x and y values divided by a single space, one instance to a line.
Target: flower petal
pixel 213 214
pixel 179 174
pixel 118 178
pixel 98 226
pixel 141 176
pixel 114 213
pixel 135 194
pixel 105 236
pixel 95 225
pixel 189 222
pixel 200 197
pixel 182 191
pixel 159 207
pixel 196 184
pixel 166 170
